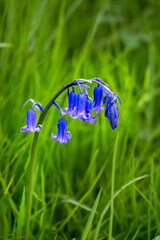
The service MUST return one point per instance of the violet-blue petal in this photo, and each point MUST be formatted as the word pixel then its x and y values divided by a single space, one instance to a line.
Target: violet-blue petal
pixel 31 119
pixel 80 107
pixel 86 115
pixel 35 104
pixel 93 120
pixel 118 98
pixel 112 113
pixel 62 134
pixel 38 128
pixel 72 101
pixel 31 122
pixel 38 107
pixel 97 98
pixel 81 103
pixel 25 128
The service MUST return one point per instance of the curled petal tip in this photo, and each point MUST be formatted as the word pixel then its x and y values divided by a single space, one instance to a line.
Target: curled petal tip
pixel 100 81
pixel 29 100
pixel 35 104
pixel 25 128
pixel 119 99
pixel 60 109
pixel 68 135
pixel 38 107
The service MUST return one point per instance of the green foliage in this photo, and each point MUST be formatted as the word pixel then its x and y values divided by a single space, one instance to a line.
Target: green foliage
pixel 21 216
pixel 91 216
pixel 44 45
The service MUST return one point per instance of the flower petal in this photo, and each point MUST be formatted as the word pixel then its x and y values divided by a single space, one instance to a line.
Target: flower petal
pixel 100 80
pixel 36 104
pixel 29 100
pixel 38 128
pixel 92 120
pixel 68 135
pixel 25 128
pixel 77 81
pixel 53 136
pixel 62 135
pixel 118 99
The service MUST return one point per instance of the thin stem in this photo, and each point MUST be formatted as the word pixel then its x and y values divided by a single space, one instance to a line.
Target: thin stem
pixel 32 160
pixel 112 190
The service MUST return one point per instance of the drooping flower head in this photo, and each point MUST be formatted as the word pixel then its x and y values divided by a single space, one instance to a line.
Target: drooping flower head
pixel 72 101
pixel 31 117
pixel 80 106
pixel 102 95
pixel 79 103
pixel 112 113
pixel 62 134
pixel 86 116
pixel 97 98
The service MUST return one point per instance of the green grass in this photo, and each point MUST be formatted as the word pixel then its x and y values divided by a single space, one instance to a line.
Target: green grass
pixel 94 187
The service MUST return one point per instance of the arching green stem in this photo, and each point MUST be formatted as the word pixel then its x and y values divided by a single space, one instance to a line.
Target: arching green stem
pixel 31 164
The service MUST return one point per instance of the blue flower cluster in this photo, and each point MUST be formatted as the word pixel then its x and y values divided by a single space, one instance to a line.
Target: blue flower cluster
pixel 80 106
pixel 31 117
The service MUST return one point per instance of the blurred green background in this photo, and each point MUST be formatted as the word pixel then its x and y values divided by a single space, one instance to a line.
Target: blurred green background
pixel 44 45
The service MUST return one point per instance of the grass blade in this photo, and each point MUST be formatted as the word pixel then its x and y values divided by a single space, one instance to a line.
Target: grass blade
pixel 109 203
pixel 21 216
pixel 91 216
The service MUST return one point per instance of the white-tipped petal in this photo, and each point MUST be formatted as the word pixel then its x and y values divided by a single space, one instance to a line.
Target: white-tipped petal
pixel 29 100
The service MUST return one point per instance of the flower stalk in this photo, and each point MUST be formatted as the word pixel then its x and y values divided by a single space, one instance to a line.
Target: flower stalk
pixel 32 161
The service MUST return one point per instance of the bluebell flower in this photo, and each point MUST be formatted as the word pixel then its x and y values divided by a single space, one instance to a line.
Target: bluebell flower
pixel 72 101
pixel 111 113
pixel 80 107
pixel 86 116
pixel 97 99
pixel 62 134
pixel 31 117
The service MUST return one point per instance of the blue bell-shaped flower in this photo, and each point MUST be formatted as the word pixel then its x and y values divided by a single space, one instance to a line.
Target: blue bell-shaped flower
pixel 86 117
pixel 80 106
pixel 111 113
pixel 72 101
pixel 31 122
pixel 62 134
pixel 31 117
pixel 97 99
